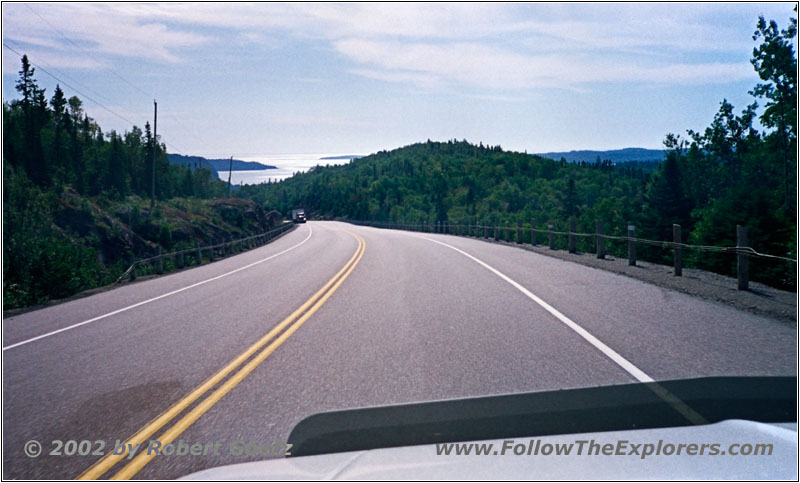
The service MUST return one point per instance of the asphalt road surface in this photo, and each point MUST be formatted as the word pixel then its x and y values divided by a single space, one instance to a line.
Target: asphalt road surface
pixel 410 317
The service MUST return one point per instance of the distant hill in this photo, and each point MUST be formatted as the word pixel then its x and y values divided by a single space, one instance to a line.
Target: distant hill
pixel 192 162
pixel 615 155
pixel 456 180
pixel 217 165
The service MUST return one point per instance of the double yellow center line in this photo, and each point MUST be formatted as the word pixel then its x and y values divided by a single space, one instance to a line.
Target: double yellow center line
pixel 245 363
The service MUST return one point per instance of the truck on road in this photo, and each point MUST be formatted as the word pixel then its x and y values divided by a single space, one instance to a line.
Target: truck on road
pixel 299 215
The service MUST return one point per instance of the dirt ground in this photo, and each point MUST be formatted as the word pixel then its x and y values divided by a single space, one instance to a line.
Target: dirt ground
pixel 759 299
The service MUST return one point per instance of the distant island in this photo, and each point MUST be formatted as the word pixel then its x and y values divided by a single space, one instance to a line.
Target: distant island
pixel 217 165
pixel 347 156
pixel 615 155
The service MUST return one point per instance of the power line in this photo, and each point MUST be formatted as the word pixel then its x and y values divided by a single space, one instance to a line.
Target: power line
pixel 71 87
pixel 85 52
pixel 93 58
pixel 76 90
pixel 76 81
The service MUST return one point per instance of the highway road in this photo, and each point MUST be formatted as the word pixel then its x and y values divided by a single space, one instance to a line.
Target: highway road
pixel 392 317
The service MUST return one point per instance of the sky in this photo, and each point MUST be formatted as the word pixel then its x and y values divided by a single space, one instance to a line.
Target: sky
pixel 255 79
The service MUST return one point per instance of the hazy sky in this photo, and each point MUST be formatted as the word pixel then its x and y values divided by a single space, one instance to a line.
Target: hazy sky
pixel 251 79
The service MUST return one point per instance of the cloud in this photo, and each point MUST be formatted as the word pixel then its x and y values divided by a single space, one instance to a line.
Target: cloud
pixel 475 64
pixel 434 46
pixel 12 65
pixel 94 29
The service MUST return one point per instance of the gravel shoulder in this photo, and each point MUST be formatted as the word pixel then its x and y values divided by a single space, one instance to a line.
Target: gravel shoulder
pixel 759 299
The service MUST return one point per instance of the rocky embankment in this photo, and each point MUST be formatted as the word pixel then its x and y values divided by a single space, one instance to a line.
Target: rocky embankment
pixel 120 229
pixel 74 243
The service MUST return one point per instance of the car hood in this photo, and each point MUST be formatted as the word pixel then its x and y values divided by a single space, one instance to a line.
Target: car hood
pixel 423 462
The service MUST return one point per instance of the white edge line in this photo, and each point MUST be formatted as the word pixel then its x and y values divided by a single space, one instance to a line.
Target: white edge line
pixel 628 366
pixel 157 298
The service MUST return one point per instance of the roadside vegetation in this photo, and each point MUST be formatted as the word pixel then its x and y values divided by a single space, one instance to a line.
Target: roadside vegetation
pixel 741 169
pixel 76 200
pixel 76 203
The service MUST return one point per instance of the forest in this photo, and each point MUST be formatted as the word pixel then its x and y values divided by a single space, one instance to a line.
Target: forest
pixel 741 169
pixel 62 176
pixel 77 207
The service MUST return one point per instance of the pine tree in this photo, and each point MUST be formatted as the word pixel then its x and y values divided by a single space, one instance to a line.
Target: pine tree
pixel 775 61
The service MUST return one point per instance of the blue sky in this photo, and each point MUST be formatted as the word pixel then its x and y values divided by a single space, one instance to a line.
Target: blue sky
pixel 252 79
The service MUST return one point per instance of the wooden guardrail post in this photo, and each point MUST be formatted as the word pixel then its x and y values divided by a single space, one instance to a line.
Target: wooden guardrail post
pixel 508 233
pixel 572 248
pixel 676 237
pixel 519 230
pixel 159 261
pixel 180 259
pixel 550 238
pixel 133 267
pixel 571 245
pixel 496 229
pixel 533 231
pixel 742 261
pixel 631 245
pixel 198 255
pixel 211 250
pixel 600 241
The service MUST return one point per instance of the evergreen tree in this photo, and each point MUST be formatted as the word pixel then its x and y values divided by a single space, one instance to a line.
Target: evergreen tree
pixel 776 63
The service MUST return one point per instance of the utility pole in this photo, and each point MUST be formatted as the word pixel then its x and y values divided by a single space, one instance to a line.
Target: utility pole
pixel 155 142
pixel 230 170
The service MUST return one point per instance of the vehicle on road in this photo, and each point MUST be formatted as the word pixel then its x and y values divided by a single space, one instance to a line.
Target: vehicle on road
pixel 299 215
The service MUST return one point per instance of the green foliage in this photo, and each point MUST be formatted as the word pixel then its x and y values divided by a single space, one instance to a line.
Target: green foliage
pixel 165 236
pixel 50 148
pixel 458 182
pixel 40 261
pixel 730 173
pixel 58 144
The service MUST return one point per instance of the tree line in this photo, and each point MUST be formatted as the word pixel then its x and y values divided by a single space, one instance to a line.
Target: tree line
pixel 58 168
pixel 55 143
pixel 741 169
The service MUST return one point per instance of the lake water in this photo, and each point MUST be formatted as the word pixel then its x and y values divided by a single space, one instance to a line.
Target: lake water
pixel 287 165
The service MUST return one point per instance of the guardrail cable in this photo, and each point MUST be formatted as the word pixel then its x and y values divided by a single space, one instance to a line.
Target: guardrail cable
pixel 749 251
pixel 144 261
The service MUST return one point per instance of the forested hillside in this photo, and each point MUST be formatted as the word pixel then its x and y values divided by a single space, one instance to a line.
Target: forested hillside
pixel 615 155
pixel 739 170
pixel 76 200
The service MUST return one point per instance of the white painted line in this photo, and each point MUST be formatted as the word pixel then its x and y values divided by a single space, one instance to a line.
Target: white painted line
pixel 310 231
pixel 628 366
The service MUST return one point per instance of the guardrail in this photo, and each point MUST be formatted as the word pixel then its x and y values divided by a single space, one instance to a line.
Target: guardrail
pixel 217 250
pixel 492 231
